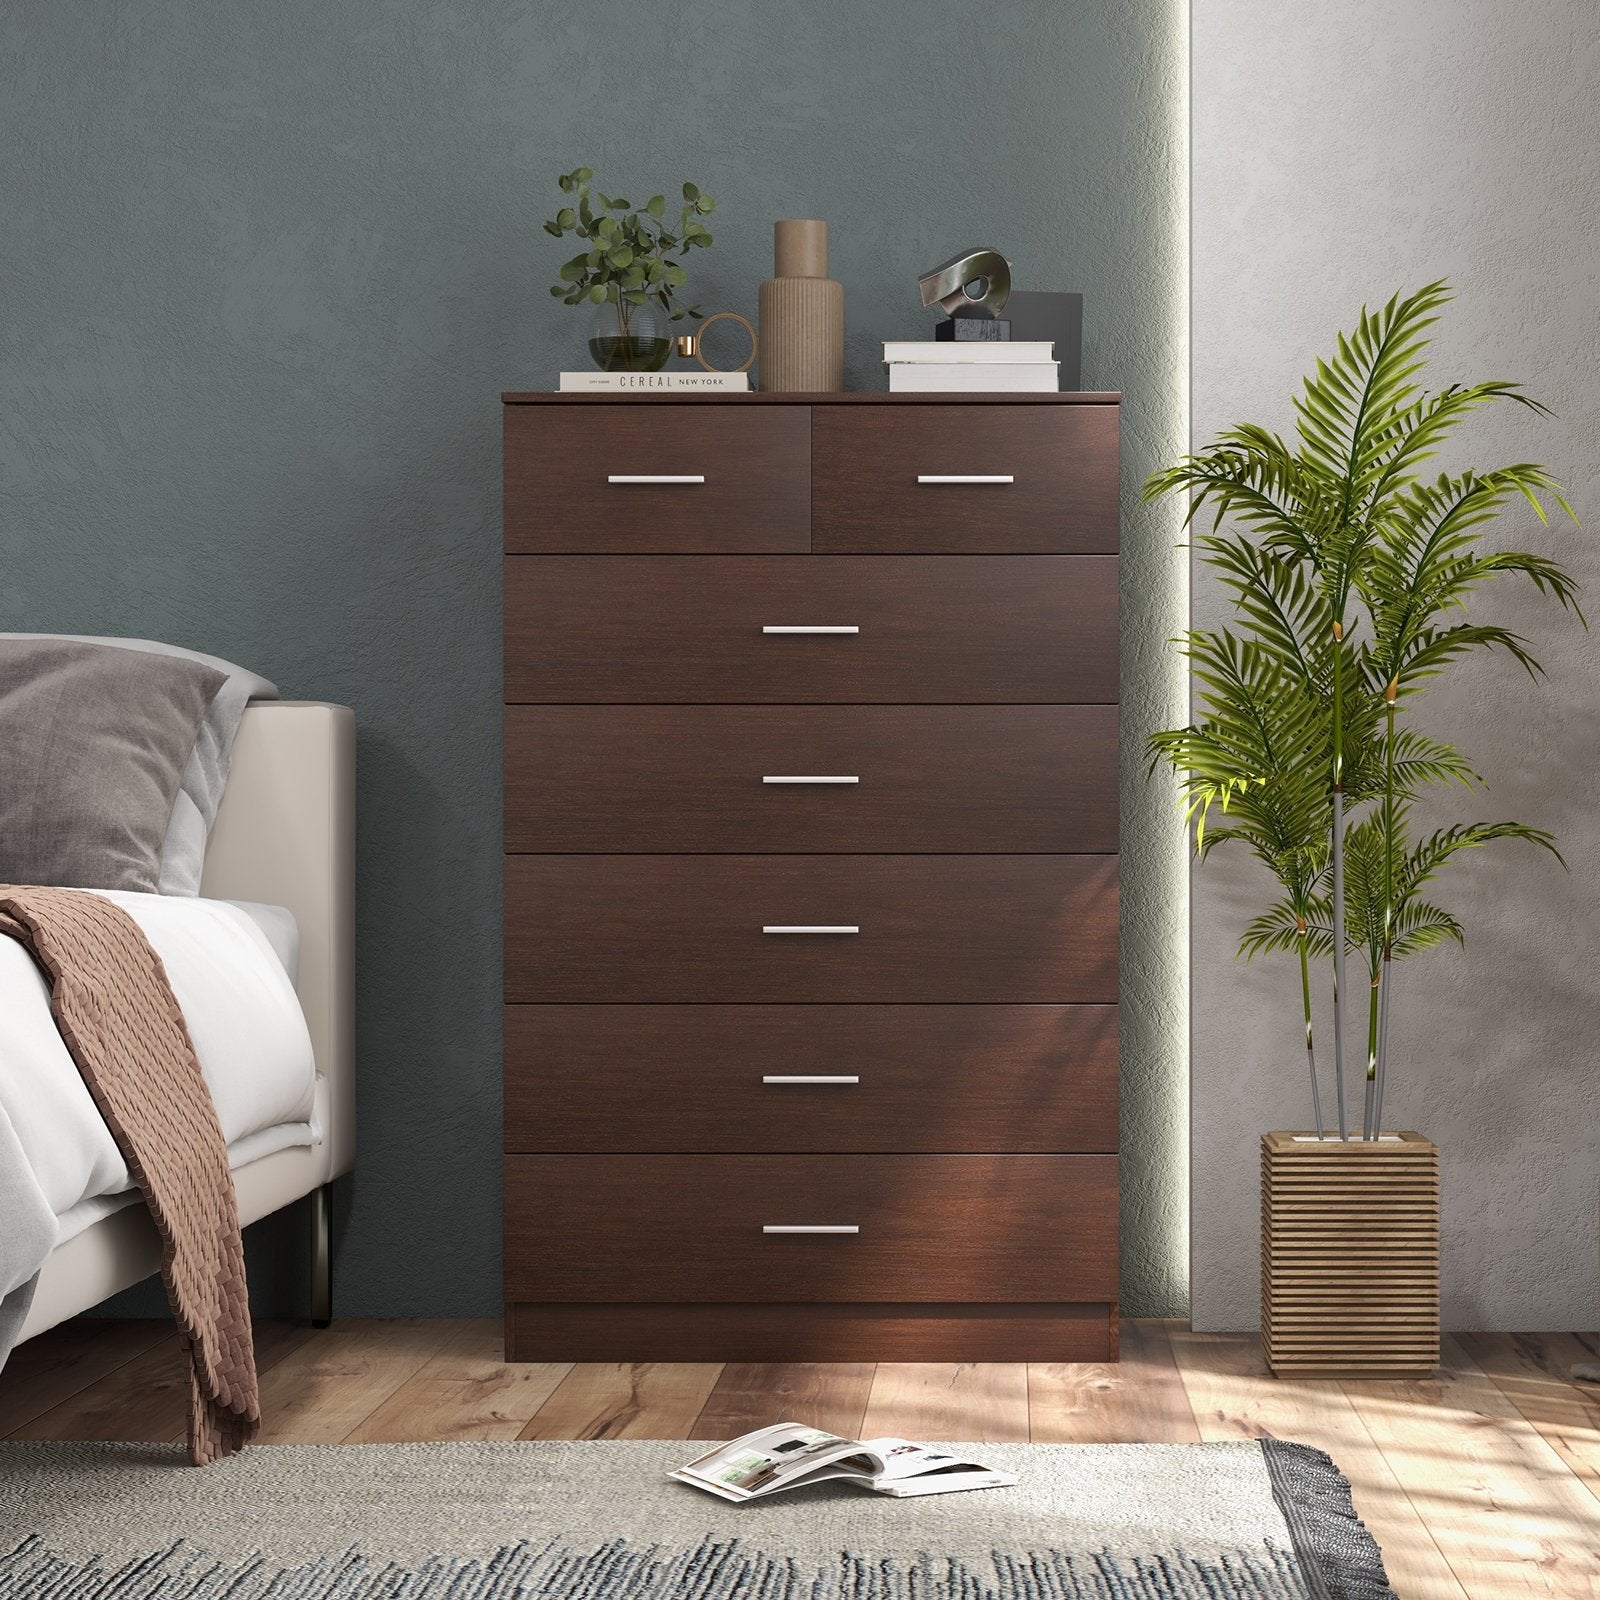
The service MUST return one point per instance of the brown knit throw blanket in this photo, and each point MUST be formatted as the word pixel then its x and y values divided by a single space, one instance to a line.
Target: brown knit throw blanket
pixel 111 1000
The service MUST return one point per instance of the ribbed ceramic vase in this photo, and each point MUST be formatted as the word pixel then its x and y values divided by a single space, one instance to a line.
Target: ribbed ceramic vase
pixel 801 340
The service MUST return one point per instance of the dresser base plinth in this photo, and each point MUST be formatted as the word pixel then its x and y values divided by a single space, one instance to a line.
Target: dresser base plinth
pixel 541 1331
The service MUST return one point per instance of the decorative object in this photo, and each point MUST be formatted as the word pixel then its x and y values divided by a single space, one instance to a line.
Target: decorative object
pixel 1034 315
pixel 625 271
pixel 975 283
pixel 801 312
pixel 1241 1519
pixel 698 342
pixel 1349 1253
pixel 624 338
pixel 1350 573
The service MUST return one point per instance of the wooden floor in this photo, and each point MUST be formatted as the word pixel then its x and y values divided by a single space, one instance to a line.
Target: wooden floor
pixel 1482 1483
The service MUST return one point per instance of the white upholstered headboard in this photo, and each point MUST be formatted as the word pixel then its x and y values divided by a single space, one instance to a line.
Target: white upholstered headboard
pixel 285 835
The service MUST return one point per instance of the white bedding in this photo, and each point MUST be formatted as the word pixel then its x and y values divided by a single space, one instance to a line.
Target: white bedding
pixel 248 1032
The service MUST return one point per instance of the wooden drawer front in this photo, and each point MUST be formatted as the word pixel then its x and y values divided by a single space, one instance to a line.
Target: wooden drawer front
pixel 712 1078
pixel 626 929
pixel 1062 460
pixel 933 629
pixel 755 464
pixel 932 1228
pixel 1002 779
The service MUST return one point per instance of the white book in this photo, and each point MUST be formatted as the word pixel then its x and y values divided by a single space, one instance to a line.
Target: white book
pixel 654 382
pixel 976 352
pixel 926 377
pixel 790 1455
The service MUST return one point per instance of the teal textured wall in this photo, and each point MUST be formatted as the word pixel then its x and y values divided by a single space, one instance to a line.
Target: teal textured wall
pixel 267 269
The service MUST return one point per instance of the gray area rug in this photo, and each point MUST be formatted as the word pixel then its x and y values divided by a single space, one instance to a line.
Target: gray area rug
pixel 600 1521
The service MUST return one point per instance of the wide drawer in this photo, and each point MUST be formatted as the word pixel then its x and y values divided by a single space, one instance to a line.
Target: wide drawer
pixel 1001 779
pixel 1038 478
pixel 673 1079
pixel 930 1228
pixel 626 929
pixel 916 629
pixel 743 478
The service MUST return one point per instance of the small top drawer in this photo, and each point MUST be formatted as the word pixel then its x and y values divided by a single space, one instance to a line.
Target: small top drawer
pixel 625 480
pixel 1027 478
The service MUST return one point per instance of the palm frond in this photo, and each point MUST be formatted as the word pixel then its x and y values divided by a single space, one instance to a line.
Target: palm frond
pixel 1432 854
pixel 1418 926
pixel 1278 929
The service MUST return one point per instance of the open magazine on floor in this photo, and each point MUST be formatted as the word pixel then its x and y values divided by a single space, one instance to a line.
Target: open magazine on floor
pixel 788 1454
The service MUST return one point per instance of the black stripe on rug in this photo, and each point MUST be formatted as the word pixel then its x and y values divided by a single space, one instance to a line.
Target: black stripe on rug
pixel 1339 1559
pixel 715 1569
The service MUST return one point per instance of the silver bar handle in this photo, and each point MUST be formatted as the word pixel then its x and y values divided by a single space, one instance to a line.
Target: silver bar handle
pixel 810 927
pixel 656 477
pixel 965 477
pixel 808 628
pixel 809 1227
pixel 810 1077
pixel 793 777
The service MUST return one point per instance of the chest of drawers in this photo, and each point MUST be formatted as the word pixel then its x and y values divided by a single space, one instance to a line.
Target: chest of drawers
pixel 811 878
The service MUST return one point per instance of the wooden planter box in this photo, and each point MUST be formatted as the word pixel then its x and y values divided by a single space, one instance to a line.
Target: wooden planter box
pixel 1349 1254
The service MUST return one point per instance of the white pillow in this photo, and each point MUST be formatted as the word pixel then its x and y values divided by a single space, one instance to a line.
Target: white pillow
pixel 205 774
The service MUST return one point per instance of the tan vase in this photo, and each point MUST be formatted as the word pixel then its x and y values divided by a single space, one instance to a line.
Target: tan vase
pixel 1349 1254
pixel 801 343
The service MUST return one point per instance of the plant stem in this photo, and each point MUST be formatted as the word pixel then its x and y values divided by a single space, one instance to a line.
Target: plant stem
pixel 1372 1056
pixel 1338 958
pixel 1338 875
pixel 1311 1054
pixel 1383 1044
pixel 1374 1069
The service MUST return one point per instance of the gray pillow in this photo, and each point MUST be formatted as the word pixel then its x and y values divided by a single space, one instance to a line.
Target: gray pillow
pixel 93 742
pixel 205 774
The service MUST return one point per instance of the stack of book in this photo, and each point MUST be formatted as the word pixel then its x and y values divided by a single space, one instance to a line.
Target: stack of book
pixel 923 366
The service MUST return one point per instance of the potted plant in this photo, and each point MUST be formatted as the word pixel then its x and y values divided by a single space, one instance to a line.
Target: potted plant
pixel 624 271
pixel 1351 572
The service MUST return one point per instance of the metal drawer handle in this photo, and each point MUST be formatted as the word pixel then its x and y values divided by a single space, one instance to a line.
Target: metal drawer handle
pixel 809 1227
pixel 809 629
pixel 964 477
pixel 809 927
pixel 790 777
pixel 656 477
pixel 810 1077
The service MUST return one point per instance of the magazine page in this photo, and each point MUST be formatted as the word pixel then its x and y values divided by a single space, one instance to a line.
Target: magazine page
pixel 912 1469
pixel 778 1458
pixel 905 1458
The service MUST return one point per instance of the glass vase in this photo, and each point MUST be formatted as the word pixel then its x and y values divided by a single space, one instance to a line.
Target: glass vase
pixel 629 338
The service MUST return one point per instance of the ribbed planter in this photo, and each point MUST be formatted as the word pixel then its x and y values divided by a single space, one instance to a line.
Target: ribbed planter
pixel 1349 1254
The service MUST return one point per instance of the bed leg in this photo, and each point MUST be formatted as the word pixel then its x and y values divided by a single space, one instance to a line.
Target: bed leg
pixel 322 1256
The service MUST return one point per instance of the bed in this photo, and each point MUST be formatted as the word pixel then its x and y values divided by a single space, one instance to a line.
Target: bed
pixel 284 836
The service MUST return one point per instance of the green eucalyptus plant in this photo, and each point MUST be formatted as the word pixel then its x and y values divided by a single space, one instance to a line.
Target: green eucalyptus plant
pixel 626 259
pixel 1351 573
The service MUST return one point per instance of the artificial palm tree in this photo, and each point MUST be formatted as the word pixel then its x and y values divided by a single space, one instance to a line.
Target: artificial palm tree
pixel 1347 570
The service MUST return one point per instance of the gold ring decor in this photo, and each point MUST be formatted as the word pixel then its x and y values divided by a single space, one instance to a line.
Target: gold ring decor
pixel 725 316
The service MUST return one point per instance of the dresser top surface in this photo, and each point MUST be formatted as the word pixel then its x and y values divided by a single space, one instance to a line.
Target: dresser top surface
pixel 857 397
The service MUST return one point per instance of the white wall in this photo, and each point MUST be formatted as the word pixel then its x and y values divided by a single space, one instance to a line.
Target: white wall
pixel 1340 152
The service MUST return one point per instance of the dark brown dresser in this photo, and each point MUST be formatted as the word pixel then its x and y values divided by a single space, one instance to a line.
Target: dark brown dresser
pixel 811 877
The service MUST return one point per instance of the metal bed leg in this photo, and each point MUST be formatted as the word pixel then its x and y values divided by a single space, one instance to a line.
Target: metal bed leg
pixel 322 1256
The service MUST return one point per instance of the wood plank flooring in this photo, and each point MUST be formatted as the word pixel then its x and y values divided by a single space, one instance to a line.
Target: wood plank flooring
pixel 1480 1483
